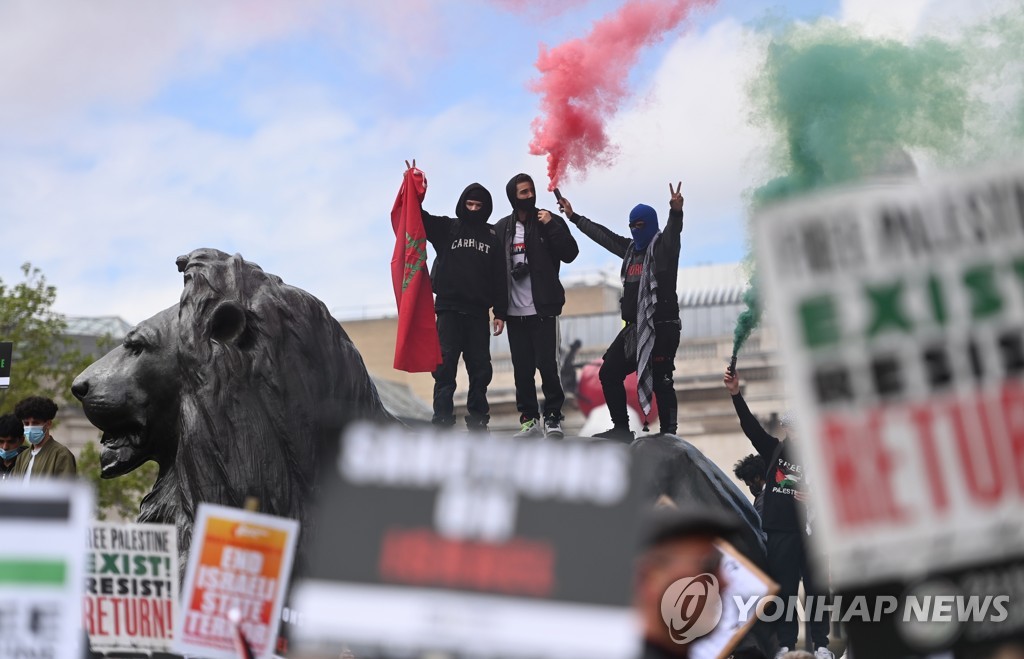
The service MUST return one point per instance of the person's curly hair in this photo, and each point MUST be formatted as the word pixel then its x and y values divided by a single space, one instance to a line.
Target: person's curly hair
pixel 35 407
pixel 750 467
pixel 10 426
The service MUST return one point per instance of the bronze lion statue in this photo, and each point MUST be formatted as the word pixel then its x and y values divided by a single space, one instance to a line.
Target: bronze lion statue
pixel 239 390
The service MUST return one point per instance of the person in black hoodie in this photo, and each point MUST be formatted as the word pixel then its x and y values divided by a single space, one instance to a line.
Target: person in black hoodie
pixel 784 521
pixel 468 278
pixel 534 245
pixel 657 252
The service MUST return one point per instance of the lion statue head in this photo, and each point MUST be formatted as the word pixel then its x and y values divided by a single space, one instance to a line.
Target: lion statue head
pixel 240 390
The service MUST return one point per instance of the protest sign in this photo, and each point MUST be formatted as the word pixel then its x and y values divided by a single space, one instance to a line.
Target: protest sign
pixel 900 312
pixel 6 352
pixel 440 541
pixel 42 556
pixel 901 320
pixel 743 582
pixel 131 586
pixel 238 570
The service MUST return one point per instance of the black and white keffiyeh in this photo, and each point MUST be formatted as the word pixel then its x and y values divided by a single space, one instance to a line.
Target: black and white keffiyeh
pixel 640 342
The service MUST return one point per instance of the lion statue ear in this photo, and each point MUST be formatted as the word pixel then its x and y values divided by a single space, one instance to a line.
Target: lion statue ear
pixel 227 322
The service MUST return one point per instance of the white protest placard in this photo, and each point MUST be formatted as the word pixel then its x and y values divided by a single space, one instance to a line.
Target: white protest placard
pixel 131 586
pixel 42 556
pixel 743 581
pixel 238 570
pixel 900 312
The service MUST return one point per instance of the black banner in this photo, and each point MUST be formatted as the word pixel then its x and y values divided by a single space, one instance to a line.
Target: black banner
pixel 439 529
pixel 526 518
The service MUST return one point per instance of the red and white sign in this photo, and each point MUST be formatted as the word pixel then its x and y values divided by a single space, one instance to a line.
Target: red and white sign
pixel 131 586
pixel 238 571
pixel 900 312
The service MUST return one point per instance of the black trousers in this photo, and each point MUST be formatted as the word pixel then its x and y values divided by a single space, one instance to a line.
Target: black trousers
pixel 533 342
pixel 617 365
pixel 787 564
pixel 468 336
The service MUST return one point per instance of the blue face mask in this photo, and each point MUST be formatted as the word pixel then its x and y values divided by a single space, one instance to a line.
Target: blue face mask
pixel 8 455
pixel 34 434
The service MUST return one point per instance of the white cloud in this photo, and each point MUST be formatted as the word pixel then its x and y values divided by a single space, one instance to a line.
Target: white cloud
pixel 58 58
pixel 307 196
pixel 884 18
pixel 950 16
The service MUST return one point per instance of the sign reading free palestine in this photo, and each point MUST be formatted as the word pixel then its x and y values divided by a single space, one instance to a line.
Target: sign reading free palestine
pixel 131 586
pixel 900 311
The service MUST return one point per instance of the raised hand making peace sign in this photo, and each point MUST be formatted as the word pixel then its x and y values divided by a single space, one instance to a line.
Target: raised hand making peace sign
pixel 676 202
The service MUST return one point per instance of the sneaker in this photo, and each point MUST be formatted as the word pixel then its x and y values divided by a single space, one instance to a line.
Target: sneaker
pixel 476 423
pixel 823 653
pixel 618 433
pixel 553 426
pixel 530 428
pixel 783 650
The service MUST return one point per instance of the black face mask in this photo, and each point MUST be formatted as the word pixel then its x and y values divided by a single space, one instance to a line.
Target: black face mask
pixel 526 204
pixel 479 215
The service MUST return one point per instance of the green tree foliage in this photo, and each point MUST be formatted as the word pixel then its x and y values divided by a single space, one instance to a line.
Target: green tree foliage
pixel 116 498
pixel 45 362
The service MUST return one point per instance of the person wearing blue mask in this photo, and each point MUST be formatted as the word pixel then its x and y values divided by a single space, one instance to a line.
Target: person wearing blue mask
pixel 650 308
pixel 46 457
pixel 12 442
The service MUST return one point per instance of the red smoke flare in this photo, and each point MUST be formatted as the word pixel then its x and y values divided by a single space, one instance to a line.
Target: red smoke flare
pixel 583 81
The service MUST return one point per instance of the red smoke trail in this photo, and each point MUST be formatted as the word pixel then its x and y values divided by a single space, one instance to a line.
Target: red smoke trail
pixel 583 81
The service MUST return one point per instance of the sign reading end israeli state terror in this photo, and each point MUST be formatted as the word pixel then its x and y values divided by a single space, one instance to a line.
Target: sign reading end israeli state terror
pixel 900 312
pixel 479 545
pixel 131 586
pixel 238 570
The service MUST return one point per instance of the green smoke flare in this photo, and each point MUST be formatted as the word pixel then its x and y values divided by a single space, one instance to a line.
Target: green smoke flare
pixel 749 317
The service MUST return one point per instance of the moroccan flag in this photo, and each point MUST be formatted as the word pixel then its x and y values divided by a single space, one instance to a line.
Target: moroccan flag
pixel 417 349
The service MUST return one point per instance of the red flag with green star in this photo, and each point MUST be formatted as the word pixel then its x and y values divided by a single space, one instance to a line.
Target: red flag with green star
pixel 417 349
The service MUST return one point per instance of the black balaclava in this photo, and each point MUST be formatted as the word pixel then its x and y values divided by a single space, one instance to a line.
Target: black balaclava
pixel 474 192
pixel 521 204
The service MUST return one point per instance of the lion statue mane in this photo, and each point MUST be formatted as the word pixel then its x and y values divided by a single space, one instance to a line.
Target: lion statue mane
pixel 240 390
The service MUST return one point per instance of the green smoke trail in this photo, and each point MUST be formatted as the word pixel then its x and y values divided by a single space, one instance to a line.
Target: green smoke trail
pixel 845 106
pixel 748 318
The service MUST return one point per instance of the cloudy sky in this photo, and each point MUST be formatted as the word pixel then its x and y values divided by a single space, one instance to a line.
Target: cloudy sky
pixel 132 132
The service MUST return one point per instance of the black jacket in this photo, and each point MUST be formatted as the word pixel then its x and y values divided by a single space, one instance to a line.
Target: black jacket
pixel 666 264
pixel 547 247
pixel 782 512
pixel 468 273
